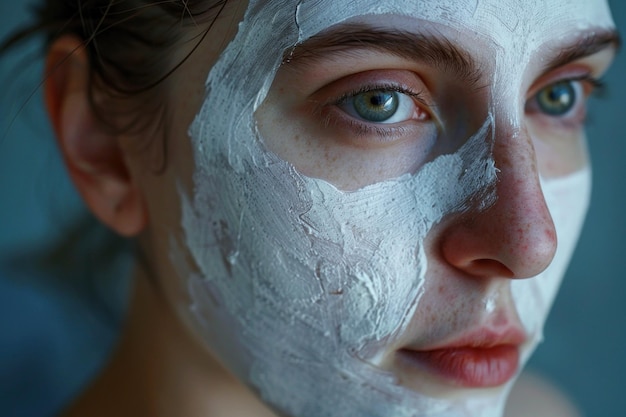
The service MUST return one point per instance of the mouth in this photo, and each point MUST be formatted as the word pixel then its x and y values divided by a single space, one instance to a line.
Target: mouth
pixel 479 359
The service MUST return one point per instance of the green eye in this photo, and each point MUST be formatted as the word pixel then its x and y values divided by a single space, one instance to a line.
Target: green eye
pixel 376 105
pixel 557 99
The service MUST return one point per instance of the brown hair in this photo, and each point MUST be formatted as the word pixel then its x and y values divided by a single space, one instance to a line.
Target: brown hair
pixel 129 44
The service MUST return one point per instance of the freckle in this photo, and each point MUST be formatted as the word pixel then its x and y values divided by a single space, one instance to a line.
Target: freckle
pixel 432 318
pixel 329 157
pixel 504 161
pixel 453 320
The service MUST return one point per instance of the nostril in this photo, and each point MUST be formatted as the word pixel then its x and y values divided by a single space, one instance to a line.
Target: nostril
pixel 489 268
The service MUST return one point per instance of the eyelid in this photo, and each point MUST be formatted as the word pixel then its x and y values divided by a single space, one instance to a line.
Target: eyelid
pixel 326 106
pixel 374 132
pixel 534 107
pixel 553 78
pixel 416 95
pixel 416 100
pixel 588 83
pixel 398 80
pixel 590 68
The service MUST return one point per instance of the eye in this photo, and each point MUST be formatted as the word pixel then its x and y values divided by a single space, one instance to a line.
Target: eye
pixel 382 106
pixel 559 98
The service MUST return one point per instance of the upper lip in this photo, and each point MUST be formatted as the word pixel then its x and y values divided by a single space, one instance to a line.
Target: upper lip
pixel 478 338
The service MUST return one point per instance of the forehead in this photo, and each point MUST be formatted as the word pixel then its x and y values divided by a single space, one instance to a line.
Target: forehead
pixel 504 20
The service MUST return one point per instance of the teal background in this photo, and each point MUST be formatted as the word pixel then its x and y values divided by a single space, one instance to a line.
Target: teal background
pixel 52 339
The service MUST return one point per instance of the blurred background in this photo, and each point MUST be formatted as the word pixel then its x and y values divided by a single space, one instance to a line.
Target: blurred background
pixel 56 330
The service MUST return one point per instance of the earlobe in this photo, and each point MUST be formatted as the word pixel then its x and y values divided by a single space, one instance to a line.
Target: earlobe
pixel 94 158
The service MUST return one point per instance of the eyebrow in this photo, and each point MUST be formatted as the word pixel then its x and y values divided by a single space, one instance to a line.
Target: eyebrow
pixel 586 45
pixel 436 51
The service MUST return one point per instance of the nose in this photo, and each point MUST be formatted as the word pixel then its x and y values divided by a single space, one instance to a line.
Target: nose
pixel 515 237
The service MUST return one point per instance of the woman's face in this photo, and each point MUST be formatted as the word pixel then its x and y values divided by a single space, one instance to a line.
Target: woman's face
pixel 377 191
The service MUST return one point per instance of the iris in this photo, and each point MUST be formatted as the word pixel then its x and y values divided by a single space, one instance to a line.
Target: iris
pixel 376 105
pixel 557 99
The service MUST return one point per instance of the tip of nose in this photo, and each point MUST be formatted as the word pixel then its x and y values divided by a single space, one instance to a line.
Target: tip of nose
pixel 513 253
pixel 536 254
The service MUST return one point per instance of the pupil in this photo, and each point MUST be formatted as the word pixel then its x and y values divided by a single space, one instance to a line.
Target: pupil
pixel 381 100
pixel 376 106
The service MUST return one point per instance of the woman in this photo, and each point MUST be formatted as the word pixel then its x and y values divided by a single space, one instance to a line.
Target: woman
pixel 348 207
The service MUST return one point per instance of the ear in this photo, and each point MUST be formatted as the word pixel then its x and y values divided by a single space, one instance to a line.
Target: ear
pixel 94 158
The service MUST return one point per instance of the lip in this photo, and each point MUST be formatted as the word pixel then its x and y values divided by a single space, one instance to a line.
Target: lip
pixel 480 359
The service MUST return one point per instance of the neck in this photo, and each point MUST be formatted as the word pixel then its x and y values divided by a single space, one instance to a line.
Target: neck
pixel 159 369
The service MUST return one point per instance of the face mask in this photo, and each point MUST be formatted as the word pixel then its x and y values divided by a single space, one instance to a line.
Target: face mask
pixel 303 290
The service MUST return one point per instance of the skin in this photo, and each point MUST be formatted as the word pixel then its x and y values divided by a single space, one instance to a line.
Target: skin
pixel 515 236
pixel 470 263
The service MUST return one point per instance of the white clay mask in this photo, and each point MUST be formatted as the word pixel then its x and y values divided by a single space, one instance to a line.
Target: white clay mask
pixel 305 291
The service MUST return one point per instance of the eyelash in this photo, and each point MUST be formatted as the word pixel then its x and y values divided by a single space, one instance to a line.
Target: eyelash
pixel 381 87
pixel 598 85
pixel 363 128
pixel 388 132
pixel 584 86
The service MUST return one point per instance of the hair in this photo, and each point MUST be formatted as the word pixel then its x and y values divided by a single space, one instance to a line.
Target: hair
pixel 129 45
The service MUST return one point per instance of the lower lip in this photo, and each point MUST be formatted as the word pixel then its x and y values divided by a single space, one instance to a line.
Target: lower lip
pixel 469 367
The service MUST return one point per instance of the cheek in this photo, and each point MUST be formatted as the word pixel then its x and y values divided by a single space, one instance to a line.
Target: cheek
pixel 560 150
pixel 317 280
pixel 567 199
